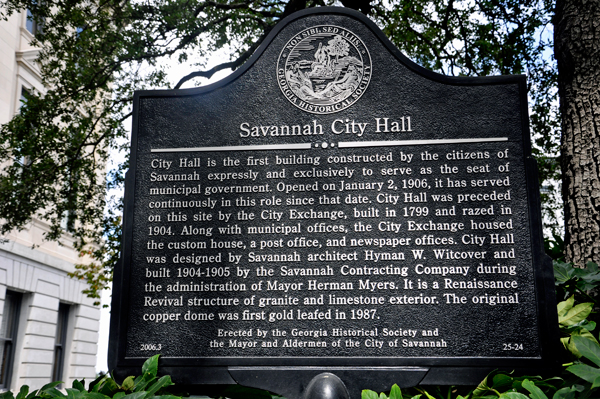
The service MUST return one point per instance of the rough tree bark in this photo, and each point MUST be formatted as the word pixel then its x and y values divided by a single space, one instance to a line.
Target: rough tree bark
pixel 577 51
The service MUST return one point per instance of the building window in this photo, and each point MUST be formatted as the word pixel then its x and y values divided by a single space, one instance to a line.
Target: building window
pixel 67 221
pixel 8 335
pixel 24 94
pixel 34 27
pixel 60 342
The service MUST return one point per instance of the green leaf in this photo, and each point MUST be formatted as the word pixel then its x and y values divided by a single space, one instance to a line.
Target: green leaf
pixel 368 394
pixel 549 383
pixel 151 366
pixel 54 393
pixel 565 393
pixel 119 395
pixel 576 314
pixel 502 382
pixel 95 385
pixel 383 396
pixel 135 395
pixel 481 389
pixel 79 385
pixel 428 395
pixel 109 387
pixel 395 392
pixel 564 306
pixel 590 325
pixel 143 383
pixel 128 383
pixel 570 346
pixel 585 324
pixel 585 372
pixel 22 392
pixel 562 272
pixel 512 395
pixel 73 393
pixel 163 381
pixel 589 349
pixel 535 392
pixel 9 394
pixel 50 386
pixel 569 343
pixel 592 266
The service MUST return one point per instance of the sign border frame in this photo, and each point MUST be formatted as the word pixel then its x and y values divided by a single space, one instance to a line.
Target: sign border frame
pixel 440 370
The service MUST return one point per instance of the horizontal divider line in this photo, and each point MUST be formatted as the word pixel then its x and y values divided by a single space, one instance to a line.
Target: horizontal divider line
pixel 356 144
pixel 341 144
pixel 301 146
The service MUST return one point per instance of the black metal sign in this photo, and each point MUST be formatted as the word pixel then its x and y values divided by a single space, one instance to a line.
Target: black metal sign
pixel 333 206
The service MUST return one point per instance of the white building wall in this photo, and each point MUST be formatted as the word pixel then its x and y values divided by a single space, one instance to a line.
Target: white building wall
pixel 9 39
pixel 44 286
pixel 40 274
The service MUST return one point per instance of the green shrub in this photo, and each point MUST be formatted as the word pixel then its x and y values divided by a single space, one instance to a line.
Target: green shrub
pixel 579 378
pixel 146 386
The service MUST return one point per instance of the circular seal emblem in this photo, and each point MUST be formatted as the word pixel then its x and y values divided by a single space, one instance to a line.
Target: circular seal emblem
pixel 324 69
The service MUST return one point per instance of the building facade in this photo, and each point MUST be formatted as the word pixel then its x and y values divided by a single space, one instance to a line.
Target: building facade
pixel 48 328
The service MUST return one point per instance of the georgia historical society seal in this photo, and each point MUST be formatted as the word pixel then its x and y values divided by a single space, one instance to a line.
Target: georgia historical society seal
pixel 324 69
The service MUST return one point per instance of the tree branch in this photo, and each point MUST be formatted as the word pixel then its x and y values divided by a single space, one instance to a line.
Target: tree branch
pixel 233 64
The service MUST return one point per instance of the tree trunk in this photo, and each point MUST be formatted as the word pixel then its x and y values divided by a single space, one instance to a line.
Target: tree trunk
pixel 577 51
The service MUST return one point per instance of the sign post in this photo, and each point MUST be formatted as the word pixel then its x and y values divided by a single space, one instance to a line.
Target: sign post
pixel 332 209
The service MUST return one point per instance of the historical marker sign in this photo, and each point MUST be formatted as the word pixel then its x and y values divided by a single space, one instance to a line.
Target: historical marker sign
pixel 333 205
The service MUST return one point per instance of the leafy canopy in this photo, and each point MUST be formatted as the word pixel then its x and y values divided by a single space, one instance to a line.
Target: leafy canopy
pixel 95 53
